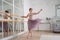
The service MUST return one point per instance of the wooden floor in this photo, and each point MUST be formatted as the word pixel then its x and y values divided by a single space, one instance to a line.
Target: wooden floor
pixel 36 35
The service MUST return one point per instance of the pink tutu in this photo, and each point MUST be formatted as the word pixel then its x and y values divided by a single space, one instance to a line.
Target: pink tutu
pixel 32 23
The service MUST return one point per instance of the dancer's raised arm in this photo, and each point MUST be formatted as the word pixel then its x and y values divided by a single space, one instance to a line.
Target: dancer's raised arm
pixel 37 12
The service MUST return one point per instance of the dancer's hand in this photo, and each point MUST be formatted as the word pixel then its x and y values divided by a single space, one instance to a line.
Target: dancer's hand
pixel 41 9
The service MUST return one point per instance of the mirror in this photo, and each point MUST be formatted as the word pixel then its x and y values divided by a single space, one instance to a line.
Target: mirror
pixel 18 10
pixel 9 1
pixel 14 26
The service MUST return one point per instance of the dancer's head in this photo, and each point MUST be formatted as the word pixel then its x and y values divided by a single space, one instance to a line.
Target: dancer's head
pixel 6 11
pixel 30 10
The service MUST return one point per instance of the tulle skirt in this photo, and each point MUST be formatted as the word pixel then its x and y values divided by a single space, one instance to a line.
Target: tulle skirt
pixel 32 23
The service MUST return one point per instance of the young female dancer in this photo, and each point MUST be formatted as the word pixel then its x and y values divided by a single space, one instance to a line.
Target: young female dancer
pixel 6 15
pixel 31 23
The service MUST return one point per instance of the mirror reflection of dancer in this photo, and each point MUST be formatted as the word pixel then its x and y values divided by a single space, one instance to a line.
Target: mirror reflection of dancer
pixel 31 23
pixel 6 15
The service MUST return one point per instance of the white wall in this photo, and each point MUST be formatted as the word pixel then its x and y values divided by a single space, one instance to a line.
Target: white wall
pixel 26 4
pixel 48 7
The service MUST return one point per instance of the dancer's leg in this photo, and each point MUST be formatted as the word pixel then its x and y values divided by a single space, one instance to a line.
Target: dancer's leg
pixel 29 34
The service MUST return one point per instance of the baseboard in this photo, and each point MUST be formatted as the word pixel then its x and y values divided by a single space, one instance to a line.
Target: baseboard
pixel 43 30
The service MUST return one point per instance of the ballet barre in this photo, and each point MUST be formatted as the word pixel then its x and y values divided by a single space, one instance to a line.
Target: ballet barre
pixel 10 21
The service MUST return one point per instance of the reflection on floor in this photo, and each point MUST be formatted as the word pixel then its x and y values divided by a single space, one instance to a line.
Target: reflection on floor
pixel 36 35
pixel 6 34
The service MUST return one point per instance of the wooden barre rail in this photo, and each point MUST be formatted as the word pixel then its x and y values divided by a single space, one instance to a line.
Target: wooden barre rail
pixel 10 21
